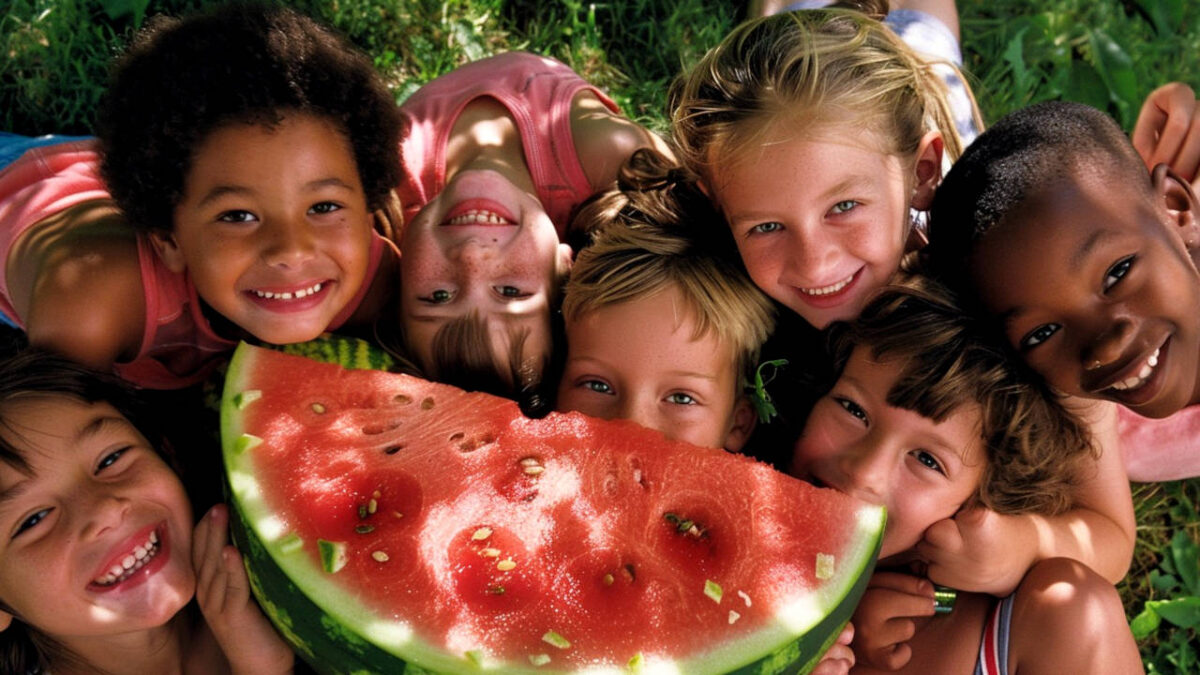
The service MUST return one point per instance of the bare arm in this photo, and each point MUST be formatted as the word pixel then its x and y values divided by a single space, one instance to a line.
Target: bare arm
pixel 604 140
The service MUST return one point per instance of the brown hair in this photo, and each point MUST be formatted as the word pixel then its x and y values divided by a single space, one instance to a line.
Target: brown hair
pixel 805 69
pixel 655 230
pixel 1034 446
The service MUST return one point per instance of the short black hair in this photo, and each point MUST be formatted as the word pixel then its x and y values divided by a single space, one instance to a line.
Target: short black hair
pixel 180 80
pixel 1026 152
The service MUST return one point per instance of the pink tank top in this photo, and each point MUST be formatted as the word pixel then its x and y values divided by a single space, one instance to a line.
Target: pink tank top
pixel 179 347
pixel 537 91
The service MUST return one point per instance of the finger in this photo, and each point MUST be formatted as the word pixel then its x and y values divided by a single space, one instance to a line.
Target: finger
pixel 212 542
pixel 944 535
pixel 1162 123
pixel 902 583
pixel 833 667
pixel 199 537
pixel 237 582
pixel 896 657
pixel 847 635
pixel 1187 162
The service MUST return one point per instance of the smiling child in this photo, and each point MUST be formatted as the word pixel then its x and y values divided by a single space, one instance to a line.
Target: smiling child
pixel 98 563
pixel 249 216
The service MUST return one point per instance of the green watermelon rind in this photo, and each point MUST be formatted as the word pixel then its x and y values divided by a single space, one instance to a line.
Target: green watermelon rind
pixel 337 634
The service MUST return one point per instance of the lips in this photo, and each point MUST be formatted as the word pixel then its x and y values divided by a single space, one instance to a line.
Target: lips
pixel 132 561
pixel 830 295
pixel 1139 380
pixel 297 298
pixel 485 212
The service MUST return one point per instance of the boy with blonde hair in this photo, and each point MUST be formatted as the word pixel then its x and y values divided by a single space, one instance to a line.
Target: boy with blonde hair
pixel 661 328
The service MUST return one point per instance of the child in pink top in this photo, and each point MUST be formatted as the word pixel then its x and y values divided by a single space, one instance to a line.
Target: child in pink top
pixel 250 216
pixel 496 155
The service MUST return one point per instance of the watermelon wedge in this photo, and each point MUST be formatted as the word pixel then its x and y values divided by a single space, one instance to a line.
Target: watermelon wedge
pixel 391 524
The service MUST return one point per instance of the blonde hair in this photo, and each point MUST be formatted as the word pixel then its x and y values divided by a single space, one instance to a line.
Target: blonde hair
pixel 650 233
pixel 1034 446
pixel 805 69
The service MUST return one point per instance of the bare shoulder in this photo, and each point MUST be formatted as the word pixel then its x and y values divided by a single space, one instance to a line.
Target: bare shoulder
pixel 604 139
pixel 83 297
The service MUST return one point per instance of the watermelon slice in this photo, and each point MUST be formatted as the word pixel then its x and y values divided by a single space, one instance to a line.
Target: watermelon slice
pixel 391 524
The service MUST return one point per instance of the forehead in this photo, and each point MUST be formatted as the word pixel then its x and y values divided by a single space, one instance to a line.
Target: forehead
pixel 46 428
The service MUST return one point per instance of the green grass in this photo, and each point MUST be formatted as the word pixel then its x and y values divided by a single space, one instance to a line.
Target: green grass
pixel 1108 53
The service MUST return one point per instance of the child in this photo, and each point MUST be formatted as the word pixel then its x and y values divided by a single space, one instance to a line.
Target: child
pixel 660 328
pixel 930 419
pixel 96 565
pixel 853 126
pixel 496 155
pixel 246 149
pixel 1088 263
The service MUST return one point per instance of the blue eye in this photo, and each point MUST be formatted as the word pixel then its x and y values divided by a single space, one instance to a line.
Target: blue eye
pixel 1117 272
pixel 597 386
pixel 765 228
pixel 853 408
pixel 1039 335
pixel 110 459
pixel 322 208
pixel 31 521
pixel 928 460
pixel 680 398
pixel 510 292
pixel 237 216
pixel 844 206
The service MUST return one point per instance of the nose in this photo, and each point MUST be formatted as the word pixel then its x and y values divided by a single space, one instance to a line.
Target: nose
pixel 1110 342
pixel 471 254
pixel 865 470
pixel 289 243
pixel 103 511
pixel 812 256
pixel 639 409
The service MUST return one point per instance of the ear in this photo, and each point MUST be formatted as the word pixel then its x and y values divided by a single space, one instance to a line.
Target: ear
pixel 744 420
pixel 564 259
pixel 927 171
pixel 1179 200
pixel 168 250
pixel 5 620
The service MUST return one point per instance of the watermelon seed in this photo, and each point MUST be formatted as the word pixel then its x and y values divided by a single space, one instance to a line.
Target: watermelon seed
pixel 556 640
pixel 608 580
pixel 377 494
pixel 318 408
pixel 362 511
pixel 364 529
pixel 372 505
pixel 394 449
pixel 684 526
pixel 743 596
pixel 534 470
pixel 427 403
pixel 397 514
pixel 376 429
pixel 733 617
pixel 532 466
pixel 456 436
pixel 481 534
pixel 506 565
pixel 495 590
pixel 490 552
pixel 379 556
pixel 402 399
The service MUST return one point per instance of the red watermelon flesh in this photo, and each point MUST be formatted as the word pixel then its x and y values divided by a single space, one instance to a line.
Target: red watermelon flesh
pixel 485 537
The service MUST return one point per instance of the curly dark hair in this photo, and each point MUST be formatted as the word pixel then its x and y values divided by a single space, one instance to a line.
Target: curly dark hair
pixel 180 80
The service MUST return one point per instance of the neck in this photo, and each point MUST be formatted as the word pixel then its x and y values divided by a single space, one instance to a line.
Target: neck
pixel 154 650
pixel 485 137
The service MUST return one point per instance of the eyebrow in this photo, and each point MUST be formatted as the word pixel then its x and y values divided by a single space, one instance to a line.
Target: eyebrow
pixel 1089 245
pixel 848 183
pixel 92 428
pixel 223 190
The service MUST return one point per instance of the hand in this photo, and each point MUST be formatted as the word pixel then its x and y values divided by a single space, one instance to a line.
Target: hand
pixel 887 618
pixel 839 659
pixel 980 550
pixel 223 593
pixel 1168 131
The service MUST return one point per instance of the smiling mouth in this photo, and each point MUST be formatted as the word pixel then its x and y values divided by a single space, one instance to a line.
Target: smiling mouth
pixel 290 295
pixel 1142 376
pixel 830 289
pixel 139 557
pixel 479 217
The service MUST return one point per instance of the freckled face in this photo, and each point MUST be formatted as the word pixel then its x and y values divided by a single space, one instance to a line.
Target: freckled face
pixel 820 223
pixel 1099 293
pixel 854 441
pixel 96 539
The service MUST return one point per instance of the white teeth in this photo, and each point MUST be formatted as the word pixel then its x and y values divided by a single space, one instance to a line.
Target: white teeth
pixel 477 217
pixel 1143 374
pixel 142 555
pixel 831 288
pixel 305 292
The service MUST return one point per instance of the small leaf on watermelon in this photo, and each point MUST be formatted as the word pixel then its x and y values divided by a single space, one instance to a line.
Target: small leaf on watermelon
pixel 825 564
pixel 291 543
pixel 556 640
pixel 333 555
pixel 713 590
pixel 240 401
pixel 635 663
pixel 539 659
pixel 758 393
pixel 246 442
